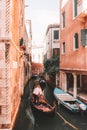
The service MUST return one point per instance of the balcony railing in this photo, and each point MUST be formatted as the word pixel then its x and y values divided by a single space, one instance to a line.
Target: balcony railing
pixel 82 9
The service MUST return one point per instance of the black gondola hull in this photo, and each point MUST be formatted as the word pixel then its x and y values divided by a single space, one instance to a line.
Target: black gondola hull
pixel 41 112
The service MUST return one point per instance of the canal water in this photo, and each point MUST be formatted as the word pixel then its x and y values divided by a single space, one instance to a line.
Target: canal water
pixel 63 120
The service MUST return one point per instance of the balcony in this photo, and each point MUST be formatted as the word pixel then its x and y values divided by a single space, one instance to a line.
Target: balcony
pixel 82 10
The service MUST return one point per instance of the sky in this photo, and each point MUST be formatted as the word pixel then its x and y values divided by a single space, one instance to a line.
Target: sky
pixel 41 13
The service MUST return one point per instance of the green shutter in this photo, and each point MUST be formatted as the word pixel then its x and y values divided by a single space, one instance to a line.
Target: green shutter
pixel 84 37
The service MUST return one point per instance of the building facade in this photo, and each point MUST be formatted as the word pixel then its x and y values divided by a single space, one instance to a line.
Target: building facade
pixel 37 58
pixel 73 46
pixel 37 53
pixel 11 60
pixel 52 50
pixel 28 25
pixel 36 68
pixel 52 40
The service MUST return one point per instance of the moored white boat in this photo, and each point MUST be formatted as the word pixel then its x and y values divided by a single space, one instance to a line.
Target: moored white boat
pixel 67 100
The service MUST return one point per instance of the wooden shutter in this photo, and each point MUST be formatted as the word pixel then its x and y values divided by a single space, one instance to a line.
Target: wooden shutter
pixel 84 37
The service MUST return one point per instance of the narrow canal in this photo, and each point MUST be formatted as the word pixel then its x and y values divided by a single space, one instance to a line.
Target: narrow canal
pixel 63 120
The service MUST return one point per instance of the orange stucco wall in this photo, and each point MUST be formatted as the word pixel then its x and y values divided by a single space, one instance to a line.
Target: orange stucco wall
pixel 76 59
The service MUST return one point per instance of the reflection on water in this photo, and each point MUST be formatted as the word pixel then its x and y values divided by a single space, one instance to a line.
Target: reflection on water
pixel 55 123
pixel 46 123
pixel 75 121
pixel 51 124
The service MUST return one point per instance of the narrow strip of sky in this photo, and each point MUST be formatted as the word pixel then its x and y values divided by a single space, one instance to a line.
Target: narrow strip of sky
pixel 42 13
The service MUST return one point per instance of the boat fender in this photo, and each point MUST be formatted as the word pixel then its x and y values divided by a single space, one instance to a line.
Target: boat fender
pixel 82 107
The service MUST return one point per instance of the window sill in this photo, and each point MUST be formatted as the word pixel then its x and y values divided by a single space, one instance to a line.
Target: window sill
pixel 76 49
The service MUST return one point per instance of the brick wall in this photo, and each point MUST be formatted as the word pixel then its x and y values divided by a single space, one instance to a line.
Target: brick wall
pixel 11 61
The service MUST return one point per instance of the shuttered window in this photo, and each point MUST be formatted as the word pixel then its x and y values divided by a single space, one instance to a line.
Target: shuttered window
pixel 0 110
pixel 76 40
pixel 84 37
pixel 75 7
pixel 56 34
pixel 63 19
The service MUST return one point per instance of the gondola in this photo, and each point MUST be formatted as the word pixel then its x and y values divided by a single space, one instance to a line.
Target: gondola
pixel 42 108
pixel 34 77
pixel 68 101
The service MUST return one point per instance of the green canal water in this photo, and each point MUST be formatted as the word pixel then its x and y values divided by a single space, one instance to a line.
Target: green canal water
pixel 63 120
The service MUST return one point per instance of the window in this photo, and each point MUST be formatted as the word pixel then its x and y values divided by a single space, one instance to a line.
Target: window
pixel 84 37
pixel 56 51
pixel 63 19
pixel 0 92
pixel 75 7
pixel 76 40
pixel 63 47
pixel 56 34
pixel 0 110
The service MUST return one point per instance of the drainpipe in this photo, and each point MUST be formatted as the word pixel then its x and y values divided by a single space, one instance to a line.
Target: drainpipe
pixel 75 85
